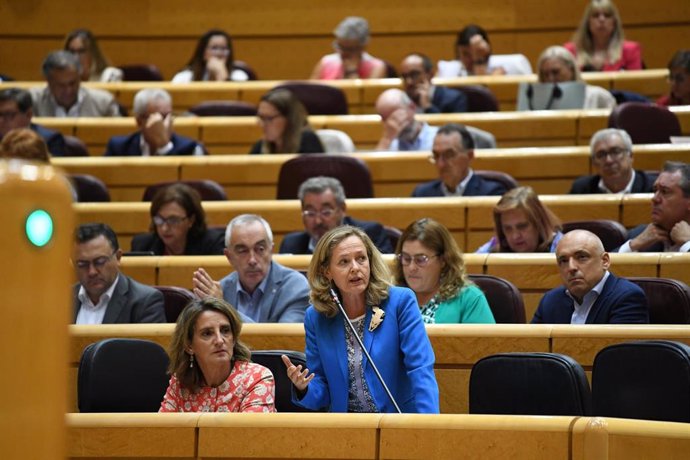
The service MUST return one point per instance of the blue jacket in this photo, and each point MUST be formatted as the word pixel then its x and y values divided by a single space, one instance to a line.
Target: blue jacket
pixel 399 346
pixel 54 140
pixel 447 100
pixel 130 145
pixel 620 302
pixel 477 186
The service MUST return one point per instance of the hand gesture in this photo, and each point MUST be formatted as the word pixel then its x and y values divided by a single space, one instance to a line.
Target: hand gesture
pixel 480 51
pixel 300 378
pixel 215 66
pixel 651 235
pixel 421 94
pixel 680 233
pixel 157 130
pixel 205 286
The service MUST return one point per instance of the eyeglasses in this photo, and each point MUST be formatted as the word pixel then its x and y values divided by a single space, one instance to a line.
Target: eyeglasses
pixel 411 75
pixel 172 221
pixel 615 153
pixel 346 49
pixel 8 116
pixel 97 263
pixel 324 213
pixel 268 118
pixel 78 50
pixel 445 156
pixel 219 49
pixel 420 260
pixel 677 78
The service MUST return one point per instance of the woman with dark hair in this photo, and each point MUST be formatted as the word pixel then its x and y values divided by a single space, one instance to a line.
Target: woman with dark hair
pixel 283 120
pixel 429 261
pixel 523 224
pixel 94 64
pixel 178 225
pixel 599 44
pixel 347 268
pixel 211 368
pixel 679 80
pixel 213 60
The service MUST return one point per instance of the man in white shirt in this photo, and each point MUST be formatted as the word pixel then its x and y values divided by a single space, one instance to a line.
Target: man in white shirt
pixel 104 295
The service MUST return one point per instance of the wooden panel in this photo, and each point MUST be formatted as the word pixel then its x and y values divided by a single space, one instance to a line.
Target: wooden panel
pixel 674 265
pixel 636 209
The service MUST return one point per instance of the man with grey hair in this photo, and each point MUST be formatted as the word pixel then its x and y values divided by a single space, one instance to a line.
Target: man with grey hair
pixel 669 230
pixel 323 209
pixel 262 290
pixel 153 114
pixel 612 156
pixel 64 96
pixel 350 59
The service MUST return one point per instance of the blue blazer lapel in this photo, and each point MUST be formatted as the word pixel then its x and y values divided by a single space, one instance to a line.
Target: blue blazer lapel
pixel 602 300
pixel 368 337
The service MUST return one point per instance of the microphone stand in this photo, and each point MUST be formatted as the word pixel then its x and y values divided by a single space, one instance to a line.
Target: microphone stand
pixel 364 350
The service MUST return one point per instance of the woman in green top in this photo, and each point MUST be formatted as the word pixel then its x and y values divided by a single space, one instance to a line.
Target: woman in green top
pixel 430 263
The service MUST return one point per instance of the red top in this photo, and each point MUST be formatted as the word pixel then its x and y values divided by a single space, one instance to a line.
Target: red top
pixel 631 57
pixel 249 388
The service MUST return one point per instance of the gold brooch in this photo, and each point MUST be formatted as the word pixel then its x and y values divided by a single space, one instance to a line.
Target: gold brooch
pixel 376 318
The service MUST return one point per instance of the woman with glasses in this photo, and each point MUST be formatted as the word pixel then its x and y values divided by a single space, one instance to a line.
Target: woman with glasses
pixel 429 262
pixel 679 80
pixel 283 120
pixel 213 60
pixel 94 64
pixel 523 224
pixel 350 59
pixel 178 226
pixel 599 43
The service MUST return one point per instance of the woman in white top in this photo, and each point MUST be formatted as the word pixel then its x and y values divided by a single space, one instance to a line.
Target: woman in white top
pixel 213 60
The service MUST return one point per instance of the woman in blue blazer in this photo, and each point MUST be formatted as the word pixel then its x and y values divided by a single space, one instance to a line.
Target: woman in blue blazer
pixel 386 318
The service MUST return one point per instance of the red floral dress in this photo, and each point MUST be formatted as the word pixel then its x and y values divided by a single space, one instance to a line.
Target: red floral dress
pixel 249 388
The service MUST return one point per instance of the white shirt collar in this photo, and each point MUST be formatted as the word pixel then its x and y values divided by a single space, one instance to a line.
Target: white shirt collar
pixel 90 313
pixel 628 188
pixel 460 189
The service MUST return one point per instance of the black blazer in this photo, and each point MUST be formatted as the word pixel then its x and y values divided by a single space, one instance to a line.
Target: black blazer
pixel 477 186
pixel 130 145
pixel 309 143
pixel 211 243
pixel 298 242
pixel 447 100
pixel 53 139
pixel 643 183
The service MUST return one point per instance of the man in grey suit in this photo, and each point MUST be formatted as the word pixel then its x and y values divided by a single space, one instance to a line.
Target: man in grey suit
pixel 104 295
pixel 64 96
pixel 263 291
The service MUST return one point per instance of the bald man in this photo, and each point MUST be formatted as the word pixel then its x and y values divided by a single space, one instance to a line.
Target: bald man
pixel 590 293
pixel 400 129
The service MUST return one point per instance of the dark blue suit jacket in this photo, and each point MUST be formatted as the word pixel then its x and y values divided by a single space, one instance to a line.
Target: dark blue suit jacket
pixel 643 183
pixel 298 242
pixel 130 145
pixel 477 186
pixel 53 139
pixel 620 302
pixel 447 100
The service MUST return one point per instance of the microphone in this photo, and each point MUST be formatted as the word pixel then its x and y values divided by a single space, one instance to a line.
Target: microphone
pixel 364 350
pixel 530 96
pixel 556 93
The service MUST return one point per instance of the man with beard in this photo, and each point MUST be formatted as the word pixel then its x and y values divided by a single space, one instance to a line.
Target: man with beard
pixel 323 209
pixel 669 230
pixel 452 154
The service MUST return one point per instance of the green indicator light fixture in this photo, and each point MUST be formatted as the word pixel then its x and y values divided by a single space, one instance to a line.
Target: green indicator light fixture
pixel 39 228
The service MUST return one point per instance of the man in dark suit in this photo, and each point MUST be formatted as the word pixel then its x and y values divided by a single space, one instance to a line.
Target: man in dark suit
pixel 416 71
pixel 612 156
pixel 669 230
pixel 153 113
pixel 323 209
pixel 590 294
pixel 453 151
pixel 16 112
pixel 104 295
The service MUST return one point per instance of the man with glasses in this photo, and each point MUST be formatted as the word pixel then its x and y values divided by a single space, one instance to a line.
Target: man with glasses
pixel 64 96
pixel 16 112
pixel 416 71
pixel 669 230
pixel 104 295
pixel 452 154
pixel 262 290
pixel 153 113
pixel 612 157
pixel 323 209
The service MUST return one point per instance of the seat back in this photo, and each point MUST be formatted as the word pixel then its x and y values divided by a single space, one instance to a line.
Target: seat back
pixel 393 235
pixel 223 108
pixel 246 68
pixel 335 141
pixel 479 98
pixel 611 233
pixel 318 99
pixel 174 300
pixel 75 147
pixel 141 72
pixel 89 188
pixel 122 375
pixel 504 298
pixel 272 360
pixel 209 190
pixel 668 300
pixel 529 384
pixel 352 172
pixel 506 179
pixel 646 123
pixel 647 380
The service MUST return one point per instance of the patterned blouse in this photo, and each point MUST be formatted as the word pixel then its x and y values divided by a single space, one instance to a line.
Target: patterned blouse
pixel 359 397
pixel 249 388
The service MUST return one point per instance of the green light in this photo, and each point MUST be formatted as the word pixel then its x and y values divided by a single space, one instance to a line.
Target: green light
pixel 39 228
